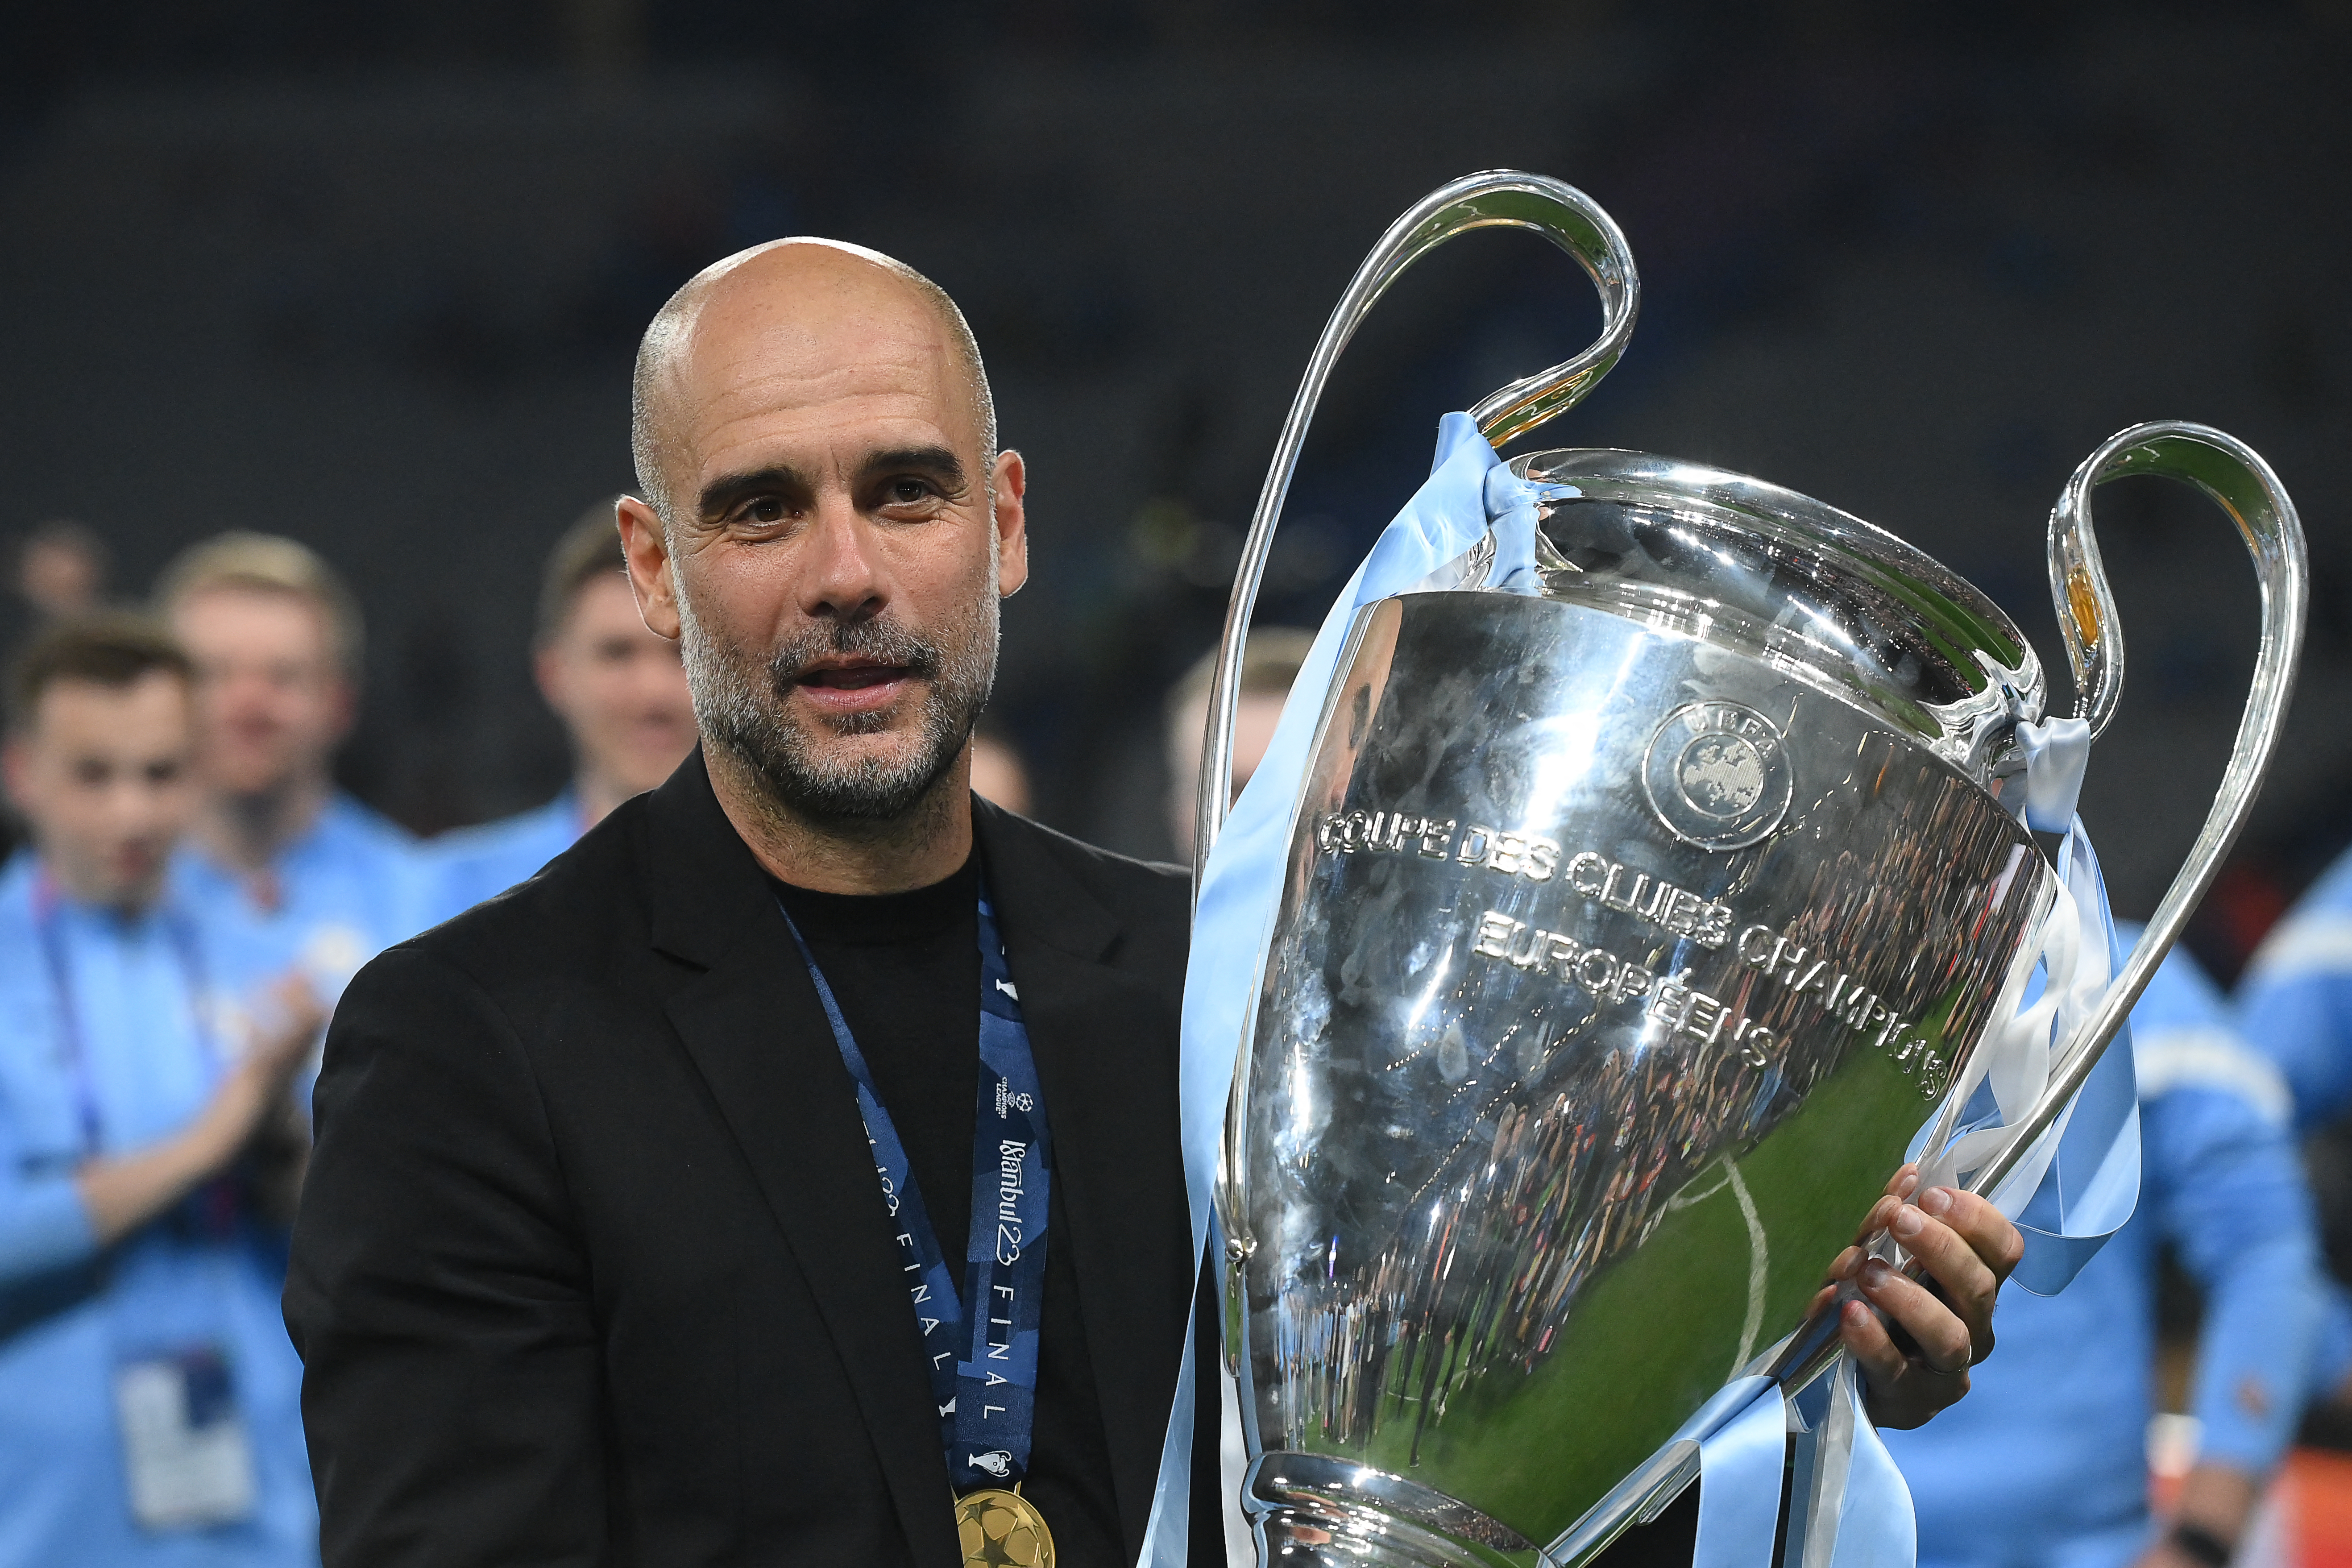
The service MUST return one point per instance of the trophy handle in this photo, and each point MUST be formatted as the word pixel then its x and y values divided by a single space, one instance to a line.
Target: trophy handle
pixel 2235 477
pixel 1498 198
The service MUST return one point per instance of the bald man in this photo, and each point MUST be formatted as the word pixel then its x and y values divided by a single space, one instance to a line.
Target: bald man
pixel 789 1173
pixel 797 1155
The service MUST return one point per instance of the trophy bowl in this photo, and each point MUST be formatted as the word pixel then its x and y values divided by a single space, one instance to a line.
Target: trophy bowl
pixel 1633 924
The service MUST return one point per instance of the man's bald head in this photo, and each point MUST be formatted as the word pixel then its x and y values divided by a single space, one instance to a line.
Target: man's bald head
pixel 799 286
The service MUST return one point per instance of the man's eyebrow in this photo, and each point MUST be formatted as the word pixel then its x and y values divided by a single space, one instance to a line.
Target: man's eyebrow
pixel 938 462
pixel 721 495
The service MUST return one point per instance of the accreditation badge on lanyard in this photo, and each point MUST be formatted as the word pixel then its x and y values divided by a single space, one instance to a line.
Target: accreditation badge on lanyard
pixel 186 1458
pixel 981 1342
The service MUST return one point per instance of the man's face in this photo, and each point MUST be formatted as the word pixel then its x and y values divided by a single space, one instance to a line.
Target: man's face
pixel 102 776
pixel 271 705
pixel 619 689
pixel 838 540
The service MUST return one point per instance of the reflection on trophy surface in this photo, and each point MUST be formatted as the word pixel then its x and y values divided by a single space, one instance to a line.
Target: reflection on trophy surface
pixel 1633 927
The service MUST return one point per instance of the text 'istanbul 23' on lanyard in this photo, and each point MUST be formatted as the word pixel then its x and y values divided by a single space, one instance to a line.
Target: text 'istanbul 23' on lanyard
pixel 981 1345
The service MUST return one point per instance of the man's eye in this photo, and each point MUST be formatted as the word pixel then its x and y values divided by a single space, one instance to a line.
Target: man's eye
pixel 767 509
pixel 907 492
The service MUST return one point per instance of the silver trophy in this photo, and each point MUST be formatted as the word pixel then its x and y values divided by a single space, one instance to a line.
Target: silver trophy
pixel 1631 931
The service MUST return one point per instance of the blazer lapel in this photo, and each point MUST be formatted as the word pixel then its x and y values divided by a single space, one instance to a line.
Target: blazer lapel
pixel 752 1024
pixel 1104 1044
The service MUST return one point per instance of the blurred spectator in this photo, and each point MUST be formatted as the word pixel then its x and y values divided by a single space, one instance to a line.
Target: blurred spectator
pixel 621 693
pixel 2056 1423
pixel 149 1400
pixel 293 872
pixel 998 774
pixel 1270 662
pixel 2295 1001
pixel 2295 1007
pixel 61 574
pixel 61 571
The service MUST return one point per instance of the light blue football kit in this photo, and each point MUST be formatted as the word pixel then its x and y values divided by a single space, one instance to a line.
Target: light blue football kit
pixel 149 1405
pixel 346 889
pixel 466 866
pixel 2295 1007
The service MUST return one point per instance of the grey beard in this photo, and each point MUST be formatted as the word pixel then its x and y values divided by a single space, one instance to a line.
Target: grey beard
pixel 740 702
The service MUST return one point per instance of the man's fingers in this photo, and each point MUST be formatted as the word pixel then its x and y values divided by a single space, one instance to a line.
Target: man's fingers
pixel 1986 1230
pixel 1967 1280
pixel 1964 1247
pixel 1865 1339
pixel 1948 1343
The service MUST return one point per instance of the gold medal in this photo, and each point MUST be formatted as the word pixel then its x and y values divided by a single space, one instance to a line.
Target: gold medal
pixel 1003 1530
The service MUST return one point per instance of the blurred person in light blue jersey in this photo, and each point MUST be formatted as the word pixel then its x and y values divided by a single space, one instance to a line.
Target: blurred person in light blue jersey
pixel 148 1398
pixel 2055 1426
pixel 2294 1006
pixel 287 870
pixel 2295 1003
pixel 621 692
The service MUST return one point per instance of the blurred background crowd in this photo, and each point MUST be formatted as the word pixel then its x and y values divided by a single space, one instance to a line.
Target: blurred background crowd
pixel 319 325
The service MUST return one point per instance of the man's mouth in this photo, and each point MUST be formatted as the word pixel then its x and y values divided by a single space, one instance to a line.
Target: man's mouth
pixel 845 686
pixel 854 676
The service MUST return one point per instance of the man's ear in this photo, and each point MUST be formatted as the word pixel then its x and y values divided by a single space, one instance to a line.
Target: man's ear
pixel 650 569
pixel 1011 521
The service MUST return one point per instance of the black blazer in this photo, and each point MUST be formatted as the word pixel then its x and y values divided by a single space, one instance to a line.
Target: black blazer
pixel 592 1267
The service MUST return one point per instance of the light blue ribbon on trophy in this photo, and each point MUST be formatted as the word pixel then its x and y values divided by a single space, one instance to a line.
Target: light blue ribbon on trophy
pixel 2081 1183
pixel 1242 882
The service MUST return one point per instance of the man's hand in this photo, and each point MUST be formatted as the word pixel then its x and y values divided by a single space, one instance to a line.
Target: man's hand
pixel 253 1088
pixel 1966 1248
pixel 121 1194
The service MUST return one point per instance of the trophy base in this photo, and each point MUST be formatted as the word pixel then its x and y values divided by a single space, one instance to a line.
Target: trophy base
pixel 1314 1510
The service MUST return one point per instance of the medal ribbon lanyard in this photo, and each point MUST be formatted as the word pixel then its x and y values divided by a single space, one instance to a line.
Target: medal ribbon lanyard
pixel 981 1345
pixel 47 907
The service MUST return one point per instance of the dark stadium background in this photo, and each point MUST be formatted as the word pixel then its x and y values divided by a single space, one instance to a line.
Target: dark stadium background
pixel 372 276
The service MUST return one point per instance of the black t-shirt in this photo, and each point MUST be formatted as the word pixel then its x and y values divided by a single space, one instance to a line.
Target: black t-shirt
pixel 905 968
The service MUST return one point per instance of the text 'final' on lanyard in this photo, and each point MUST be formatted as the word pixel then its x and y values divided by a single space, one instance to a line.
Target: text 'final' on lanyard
pixel 982 1344
pixel 48 905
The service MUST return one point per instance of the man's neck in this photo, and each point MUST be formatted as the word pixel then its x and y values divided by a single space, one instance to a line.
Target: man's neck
pixel 925 846
pixel 247 832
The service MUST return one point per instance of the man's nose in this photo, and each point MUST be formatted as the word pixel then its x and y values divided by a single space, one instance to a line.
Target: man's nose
pixel 841 579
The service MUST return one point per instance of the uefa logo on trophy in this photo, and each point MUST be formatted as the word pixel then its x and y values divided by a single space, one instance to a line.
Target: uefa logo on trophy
pixel 1658 874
